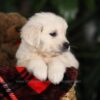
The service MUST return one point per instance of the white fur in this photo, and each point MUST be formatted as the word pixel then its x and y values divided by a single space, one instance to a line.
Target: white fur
pixel 41 53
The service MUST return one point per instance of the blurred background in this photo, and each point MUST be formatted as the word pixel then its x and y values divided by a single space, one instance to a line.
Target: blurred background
pixel 83 17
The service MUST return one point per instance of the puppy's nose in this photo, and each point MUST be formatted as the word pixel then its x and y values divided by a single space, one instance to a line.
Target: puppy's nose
pixel 65 45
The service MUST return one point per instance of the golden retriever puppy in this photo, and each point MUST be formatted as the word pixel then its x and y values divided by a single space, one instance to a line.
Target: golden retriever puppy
pixel 44 48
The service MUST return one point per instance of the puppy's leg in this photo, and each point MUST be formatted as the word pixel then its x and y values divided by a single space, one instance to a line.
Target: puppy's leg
pixel 38 68
pixel 56 71
pixel 69 60
pixel 58 66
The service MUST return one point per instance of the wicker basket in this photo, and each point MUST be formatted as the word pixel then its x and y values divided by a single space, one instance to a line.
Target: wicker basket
pixel 71 95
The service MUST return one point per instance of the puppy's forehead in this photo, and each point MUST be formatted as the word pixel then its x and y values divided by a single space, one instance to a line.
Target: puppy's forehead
pixel 48 18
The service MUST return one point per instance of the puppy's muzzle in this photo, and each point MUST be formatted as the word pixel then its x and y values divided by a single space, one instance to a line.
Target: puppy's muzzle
pixel 66 46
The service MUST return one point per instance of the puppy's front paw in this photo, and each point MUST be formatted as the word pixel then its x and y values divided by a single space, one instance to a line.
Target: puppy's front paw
pixel 75 64
pixel 56 72
pixel 40 73
pixel 39 69
pixel 56 78
pixel 69 60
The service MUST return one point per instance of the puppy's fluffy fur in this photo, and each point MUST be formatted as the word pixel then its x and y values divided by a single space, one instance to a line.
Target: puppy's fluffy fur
pixel 41 49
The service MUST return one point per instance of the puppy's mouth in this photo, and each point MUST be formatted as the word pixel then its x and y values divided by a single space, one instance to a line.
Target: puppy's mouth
pixel 65 50
pixel 59 51
pixel 53 52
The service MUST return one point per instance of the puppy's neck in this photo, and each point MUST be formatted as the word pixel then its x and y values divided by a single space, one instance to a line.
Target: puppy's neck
pixel 47 56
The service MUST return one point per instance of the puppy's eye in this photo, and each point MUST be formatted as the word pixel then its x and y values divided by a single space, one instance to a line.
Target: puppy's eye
pixel 53 34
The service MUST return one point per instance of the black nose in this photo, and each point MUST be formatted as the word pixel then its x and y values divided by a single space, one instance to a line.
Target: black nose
pixel 65 45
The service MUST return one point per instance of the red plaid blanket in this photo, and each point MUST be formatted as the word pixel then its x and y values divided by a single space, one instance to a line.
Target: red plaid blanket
pixel 18 84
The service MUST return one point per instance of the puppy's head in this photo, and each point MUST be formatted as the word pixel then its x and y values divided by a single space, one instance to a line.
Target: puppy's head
pixel 46 32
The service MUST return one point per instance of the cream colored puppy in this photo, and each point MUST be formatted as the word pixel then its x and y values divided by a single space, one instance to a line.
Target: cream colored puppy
pixel 44 49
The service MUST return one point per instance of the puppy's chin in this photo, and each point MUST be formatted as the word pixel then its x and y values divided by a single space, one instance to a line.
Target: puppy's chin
pixel 61 50
pixel 51 52
pixel 54 53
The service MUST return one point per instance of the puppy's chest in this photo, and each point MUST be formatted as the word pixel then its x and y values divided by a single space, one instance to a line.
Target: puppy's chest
pixel 47 59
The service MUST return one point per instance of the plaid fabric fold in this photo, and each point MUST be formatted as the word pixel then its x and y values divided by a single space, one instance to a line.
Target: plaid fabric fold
pixel 37 85
pixel 18 84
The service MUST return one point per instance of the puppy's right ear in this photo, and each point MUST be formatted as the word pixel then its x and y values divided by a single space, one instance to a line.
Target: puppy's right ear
pixel 31 33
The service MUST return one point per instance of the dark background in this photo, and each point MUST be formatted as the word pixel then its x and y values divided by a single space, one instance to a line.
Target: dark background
pixel 83 17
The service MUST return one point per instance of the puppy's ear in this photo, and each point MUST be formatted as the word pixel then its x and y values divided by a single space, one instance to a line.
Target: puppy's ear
pixel 31 34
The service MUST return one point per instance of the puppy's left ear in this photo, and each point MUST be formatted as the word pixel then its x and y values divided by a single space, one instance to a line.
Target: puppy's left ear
pixel 31 33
